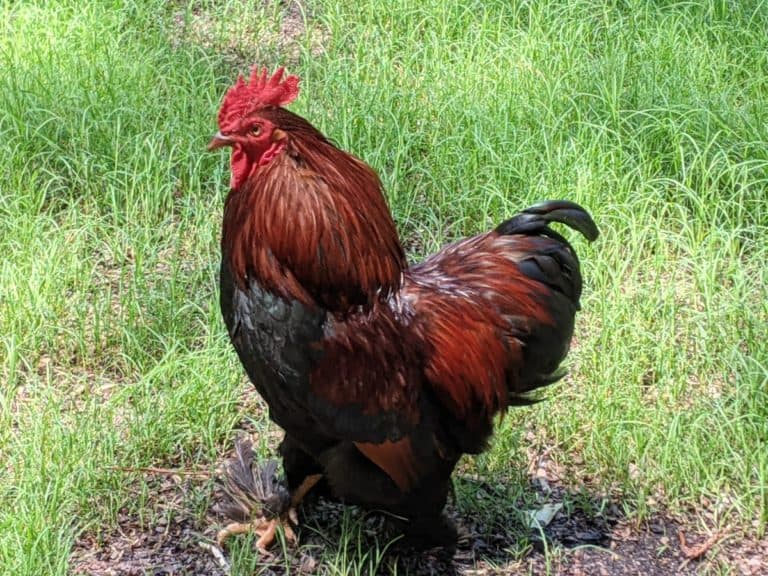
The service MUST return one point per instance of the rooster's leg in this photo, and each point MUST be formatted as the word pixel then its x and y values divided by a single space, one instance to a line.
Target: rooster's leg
pixel 307 485
pixel 267 528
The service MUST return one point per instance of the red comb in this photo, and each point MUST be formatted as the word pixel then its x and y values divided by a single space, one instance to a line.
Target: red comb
pixel 243 99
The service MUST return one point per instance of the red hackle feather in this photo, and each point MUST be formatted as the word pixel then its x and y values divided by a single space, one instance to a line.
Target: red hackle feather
pixel 308 239
pixel 243 99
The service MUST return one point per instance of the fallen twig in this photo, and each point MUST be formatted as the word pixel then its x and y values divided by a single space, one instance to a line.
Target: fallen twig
pixel 163 471
pixel 695 552
pixel 218 555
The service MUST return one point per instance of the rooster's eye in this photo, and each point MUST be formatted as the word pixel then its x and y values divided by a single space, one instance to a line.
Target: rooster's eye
pixel 256 130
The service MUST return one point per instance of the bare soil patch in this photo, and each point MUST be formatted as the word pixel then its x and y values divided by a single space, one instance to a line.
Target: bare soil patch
pixel 280 31
pixel 585 537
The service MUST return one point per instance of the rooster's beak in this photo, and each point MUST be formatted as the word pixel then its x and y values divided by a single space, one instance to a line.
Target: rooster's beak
pixel 219 141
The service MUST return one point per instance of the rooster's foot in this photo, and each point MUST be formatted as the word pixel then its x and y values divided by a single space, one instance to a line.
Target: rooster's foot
pixel 267 528
pixel 264 528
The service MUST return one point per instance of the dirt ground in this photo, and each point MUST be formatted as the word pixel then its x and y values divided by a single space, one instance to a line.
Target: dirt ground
pixel 580 540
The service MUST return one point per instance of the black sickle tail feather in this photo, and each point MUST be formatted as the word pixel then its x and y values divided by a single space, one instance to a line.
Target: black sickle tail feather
pixel 535 220
pixel 519 397
pixel 553 264
pixel 546 256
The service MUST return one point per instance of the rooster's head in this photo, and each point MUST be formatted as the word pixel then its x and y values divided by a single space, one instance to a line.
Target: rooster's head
pixel 254 139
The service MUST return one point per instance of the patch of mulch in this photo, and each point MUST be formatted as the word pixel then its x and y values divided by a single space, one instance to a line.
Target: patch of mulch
pixel 586 535
pixel 166 542
pixel 135 551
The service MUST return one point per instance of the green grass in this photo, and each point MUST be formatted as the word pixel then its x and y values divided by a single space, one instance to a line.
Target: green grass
pixel 654 115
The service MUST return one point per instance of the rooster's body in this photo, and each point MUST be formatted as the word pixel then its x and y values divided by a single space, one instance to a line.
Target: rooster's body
pixel 381 375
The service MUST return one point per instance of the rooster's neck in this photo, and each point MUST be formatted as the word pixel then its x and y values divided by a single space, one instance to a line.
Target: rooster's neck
pixel 313 226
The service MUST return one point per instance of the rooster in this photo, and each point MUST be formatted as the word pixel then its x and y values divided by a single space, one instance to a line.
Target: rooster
pixel 381 374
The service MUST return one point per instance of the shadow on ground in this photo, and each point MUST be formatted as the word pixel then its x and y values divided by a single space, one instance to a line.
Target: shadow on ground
pixel 540 529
